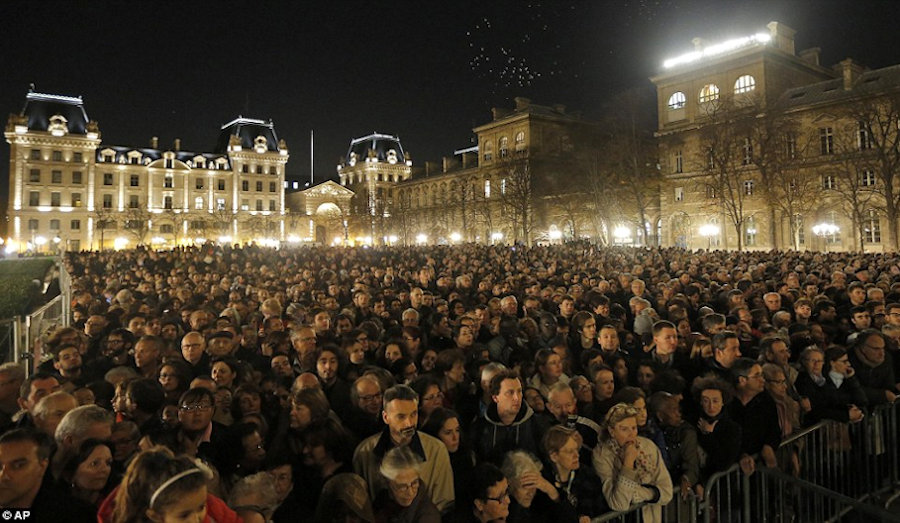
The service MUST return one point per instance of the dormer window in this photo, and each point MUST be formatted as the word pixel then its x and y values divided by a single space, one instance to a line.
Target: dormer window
pixel 352 159
pixel 392 157
pixel 504 147
pixel 259 144
pixel 58 125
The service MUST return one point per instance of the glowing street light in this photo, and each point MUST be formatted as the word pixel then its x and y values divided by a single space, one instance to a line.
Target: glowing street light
pixel 455 237
pixel 421 238
pixel 708 231
pixel 496 236
pixel 824 230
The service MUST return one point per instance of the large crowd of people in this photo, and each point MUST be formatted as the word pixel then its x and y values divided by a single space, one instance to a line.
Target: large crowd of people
pixel 449 383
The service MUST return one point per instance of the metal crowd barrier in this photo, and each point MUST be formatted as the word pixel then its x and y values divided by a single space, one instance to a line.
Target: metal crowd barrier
pixel 677 511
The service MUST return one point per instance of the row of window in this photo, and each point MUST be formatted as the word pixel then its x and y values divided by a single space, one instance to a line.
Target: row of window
pixel 56 177
pixel 503 146
pixel 867 178
pixel 56 156
pixel 710 92
pixel 871 229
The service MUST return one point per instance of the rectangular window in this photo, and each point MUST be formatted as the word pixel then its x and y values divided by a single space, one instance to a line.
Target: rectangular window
pixel 747 152
pixel 679 194
pixel 245 168
pixel 107 178
pixel 167 202
pixel 272 205
pixel 790 144
pixel 863 137
pixel 678 162
pixel 221 185
pixel 259 206
pixel 35 154
pixel 258 186
pixel 33 225
pixel 133 201
pixel 34 198
pixel 77 157
pixel 55 176
pixel 487 188
pixel 198 183
pixel 55 199
pixel 135 180
pixel 245 205
pixel 167 228
pixel 273 170
pixel 168 182
pixel 107 201
pixel 198 203
pixel 76 177
pixel 272 186
pixel 34 176
pixel 76 199
pixel 75 225
pixel 56 156
pixel 259 169
pixel 872 228
pixel 800 228
pixel 54 225
pixel 748 187
pixel 220 204
pixel 867 178
pixel 245 185
pixel 829 182
pixel 710 192
pixel 503 186
pixel 750 233
pixel 134 160
pixel 832 217
pixel 826 140
pixel 169 163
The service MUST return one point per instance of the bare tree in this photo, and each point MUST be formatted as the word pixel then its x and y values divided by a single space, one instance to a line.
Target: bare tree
pixel 135 221
pixel 517 196
pixel 104 218
pixel 846 174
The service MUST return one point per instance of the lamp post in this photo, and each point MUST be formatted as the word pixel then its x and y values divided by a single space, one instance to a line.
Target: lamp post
pixel 708 231
pixel 622 234
pixel 824 230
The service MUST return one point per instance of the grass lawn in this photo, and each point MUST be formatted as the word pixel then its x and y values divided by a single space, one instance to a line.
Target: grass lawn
pixel 16 288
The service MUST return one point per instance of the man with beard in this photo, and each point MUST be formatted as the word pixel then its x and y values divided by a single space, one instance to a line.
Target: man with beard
pixel 401 415
pixel 508 424
pixel 68 364
pixel 114 353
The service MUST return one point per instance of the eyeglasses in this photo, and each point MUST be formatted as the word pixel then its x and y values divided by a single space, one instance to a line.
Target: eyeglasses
pixel 501 498
pixel 404 487
pixel 876 349
pixel 195 407
pixel 370 397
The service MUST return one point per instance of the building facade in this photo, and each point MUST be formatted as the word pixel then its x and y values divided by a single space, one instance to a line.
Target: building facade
pixel 763 147
pixel 70 191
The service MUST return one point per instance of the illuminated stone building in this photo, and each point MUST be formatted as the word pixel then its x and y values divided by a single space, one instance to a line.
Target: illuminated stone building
pixel 69 190
pixel 763 147
pixel 319 214
pixel 498 191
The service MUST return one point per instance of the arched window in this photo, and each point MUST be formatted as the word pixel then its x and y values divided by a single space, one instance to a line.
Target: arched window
pixel 488 151
pixel 744 84
pixel 677 101
pixel 198 203
pixel 709 93
pixel 504 147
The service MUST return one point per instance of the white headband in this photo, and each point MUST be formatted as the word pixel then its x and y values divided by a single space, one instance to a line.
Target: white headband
pixel 171 480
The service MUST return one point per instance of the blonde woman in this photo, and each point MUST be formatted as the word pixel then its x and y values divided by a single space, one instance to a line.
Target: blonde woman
pixel 631 467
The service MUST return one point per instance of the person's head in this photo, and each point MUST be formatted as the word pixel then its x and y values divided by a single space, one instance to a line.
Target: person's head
pixel 254 497
pixel 308 406
pixel 327 364
pixel 490 490
pixel 775 350
pixel 548 364
pixel 192 346
pixel 282 474
pixel 506 392
pixel 665 408
pixel 144 397
pixel 516 464
pixel 812 359
pixel 604 381
pixel 870 345
pixel 67 360
pixel 451 365
pixel 195 409
pixel 748 376
pixel 444 425
pixel 160 488
pixel 430 395
pixel 608 337
pixel 174 376
pixel 772 301
pixel 776 381
pixel 50 411
pixel 24 457
pixel 561 444
pixel 837 361
pixel 665 337
pixel 222 343
pixel 89 468
pixel 401 413
pixel 148 352
pixel 726 348
pixel 620 424
pixel 637 398
pixel 124 440
pixel 561 402
pixel 226 372
pixel 712 394
pixel 365 393
pixel 401 468
pixel 860 317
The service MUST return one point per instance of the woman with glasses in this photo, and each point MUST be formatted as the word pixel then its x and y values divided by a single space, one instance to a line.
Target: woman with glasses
pixel 631 467
pixel 491 497
pixel 406 499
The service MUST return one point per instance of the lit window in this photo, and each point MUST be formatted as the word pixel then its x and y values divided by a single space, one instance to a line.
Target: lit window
pixel 678 162
pixel 709 93
pixel 76 199
pixel 487 188
pixel 488 151
pixel 504 147
pixel 503 186
pixel 747 152
pixel 677 101
pixel 867 178
pixel 744 84
pixel 220 204
pixel 520 140
pixel 245 205
pixel 198 203
pixel 872 228
pixel 748 187
pixel 826 140
pixel 679 194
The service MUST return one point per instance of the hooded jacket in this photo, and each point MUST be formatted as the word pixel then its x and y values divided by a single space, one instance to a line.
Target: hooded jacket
pixel 492 439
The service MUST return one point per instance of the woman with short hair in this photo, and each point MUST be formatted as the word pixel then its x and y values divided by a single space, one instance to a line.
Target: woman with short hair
pixel 406 500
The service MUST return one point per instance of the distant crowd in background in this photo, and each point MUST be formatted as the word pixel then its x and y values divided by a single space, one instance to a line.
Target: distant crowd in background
pixel 447 383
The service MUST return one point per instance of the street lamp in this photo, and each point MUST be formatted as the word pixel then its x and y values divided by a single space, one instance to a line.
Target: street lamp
pixel 621 234
pixel 708 231
pixel 824 230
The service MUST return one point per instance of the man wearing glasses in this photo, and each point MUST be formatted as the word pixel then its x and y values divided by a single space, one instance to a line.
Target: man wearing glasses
pixel 195 412
pixel 874 367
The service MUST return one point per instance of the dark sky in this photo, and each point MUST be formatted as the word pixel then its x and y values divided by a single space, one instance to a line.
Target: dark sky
pixel 427 70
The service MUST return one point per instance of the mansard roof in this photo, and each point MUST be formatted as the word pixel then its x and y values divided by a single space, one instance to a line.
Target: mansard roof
pixel 150 155
pixel 867 83
pixel 379 143
pixel 40 108
pixel 247 130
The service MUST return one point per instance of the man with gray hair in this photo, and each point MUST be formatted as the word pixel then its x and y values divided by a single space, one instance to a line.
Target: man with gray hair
pixel 523 471
pixel 254 495
pixel 77 426
pixel 401 415
pixel 50 410
pixel 562 405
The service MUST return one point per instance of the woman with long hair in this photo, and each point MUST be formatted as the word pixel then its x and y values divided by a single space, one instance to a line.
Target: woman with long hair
pixel 89 471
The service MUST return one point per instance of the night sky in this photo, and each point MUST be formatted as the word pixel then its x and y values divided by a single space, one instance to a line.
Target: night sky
pixel 427 71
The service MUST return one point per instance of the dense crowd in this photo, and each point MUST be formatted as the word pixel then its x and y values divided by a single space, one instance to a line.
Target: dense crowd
pixel 465 383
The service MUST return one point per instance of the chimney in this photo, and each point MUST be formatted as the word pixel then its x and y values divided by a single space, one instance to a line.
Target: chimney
pixel 446 164
pixel 154 142
pixel 782 36
pixel 177 144
pixel 811 55
pixel 499 112
pixel 431 168
pixel 850 72
pixel 469 160
pixel 522 103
